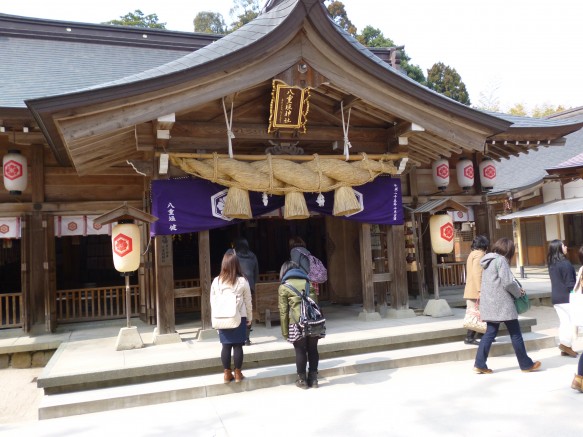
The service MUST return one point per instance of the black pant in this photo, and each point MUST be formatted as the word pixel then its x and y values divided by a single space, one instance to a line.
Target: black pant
pixel 237 355
pixel 307 352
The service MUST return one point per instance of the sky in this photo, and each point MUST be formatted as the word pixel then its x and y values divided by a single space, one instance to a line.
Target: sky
pixel 510 51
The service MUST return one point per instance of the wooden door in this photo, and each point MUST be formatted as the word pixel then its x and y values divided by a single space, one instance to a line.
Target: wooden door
pixel 343 250
pixel 533 235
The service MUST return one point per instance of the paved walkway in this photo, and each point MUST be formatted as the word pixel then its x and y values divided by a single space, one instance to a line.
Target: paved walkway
pixel 19 396
pixel 445 399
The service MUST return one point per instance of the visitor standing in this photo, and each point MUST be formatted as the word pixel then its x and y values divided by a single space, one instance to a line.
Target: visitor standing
pixel 250 269
pixel 562 275
pixel 497 294
pixel 306 347
pixel 231 280
pixel 479 248
pixel 577 383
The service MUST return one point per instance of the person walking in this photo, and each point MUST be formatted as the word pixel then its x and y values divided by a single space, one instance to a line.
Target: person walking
pixel 306 348
pixel 497 294
pixel 231 280
pixel 562 275
pixel 250 269
pixel 479 248
pixel 577 383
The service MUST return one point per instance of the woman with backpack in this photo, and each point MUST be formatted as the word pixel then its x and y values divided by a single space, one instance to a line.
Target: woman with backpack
pixel 289 303
pixel 231 280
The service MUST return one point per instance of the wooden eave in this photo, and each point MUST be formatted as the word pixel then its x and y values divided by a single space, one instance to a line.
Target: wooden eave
pixel 92 120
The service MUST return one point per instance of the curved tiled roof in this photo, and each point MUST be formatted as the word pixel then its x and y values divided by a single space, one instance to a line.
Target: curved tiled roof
pixel 529 169
pixel 69 56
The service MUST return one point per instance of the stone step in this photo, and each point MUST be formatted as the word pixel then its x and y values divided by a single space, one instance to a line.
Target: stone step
pixel 151 393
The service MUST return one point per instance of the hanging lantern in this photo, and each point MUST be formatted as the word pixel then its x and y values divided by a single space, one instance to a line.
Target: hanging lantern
pixel 465 173
pixel 440 173
pixel 125 242
pixel 442 232
pixel 15 172
pixel 487 173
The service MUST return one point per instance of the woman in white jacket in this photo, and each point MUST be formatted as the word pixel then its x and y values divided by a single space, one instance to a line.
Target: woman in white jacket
pixel 232 280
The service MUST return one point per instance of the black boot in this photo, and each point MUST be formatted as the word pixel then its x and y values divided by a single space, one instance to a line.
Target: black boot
pixel 313 378
pixel 471 338
pixel 301 381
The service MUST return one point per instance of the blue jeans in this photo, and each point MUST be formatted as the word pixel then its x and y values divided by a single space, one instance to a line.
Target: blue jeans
pixel 513 327
pixel 580 366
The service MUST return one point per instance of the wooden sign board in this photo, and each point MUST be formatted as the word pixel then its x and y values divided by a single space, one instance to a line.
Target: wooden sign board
pixel 289 107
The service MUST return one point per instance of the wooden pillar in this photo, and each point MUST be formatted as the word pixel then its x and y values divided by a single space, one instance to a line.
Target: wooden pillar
pixel 165 319
pixel 39 293
pixel 398 284
pixel 204 268
pixel 517 235
pixel 366 269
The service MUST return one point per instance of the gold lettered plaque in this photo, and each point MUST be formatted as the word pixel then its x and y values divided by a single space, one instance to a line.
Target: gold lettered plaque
pixel 289 107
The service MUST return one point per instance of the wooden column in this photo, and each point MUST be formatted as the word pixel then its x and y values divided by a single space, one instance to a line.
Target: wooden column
pixel 398 285
pixel 517 234
pixel 366 269
pixel 39 293
pixel 204 268
pixel 165 319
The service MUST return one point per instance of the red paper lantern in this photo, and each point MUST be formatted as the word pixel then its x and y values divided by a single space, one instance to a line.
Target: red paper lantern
pixel 442 232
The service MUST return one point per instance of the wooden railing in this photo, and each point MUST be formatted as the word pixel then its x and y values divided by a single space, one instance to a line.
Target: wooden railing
pixel 452 274
pixel 11 310
pixel 100 303
pixel 187 295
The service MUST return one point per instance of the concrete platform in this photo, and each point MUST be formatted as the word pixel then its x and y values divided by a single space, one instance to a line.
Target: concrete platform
pixel 87 374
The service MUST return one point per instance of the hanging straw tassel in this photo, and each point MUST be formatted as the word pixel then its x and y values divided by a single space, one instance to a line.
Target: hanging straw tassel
pixel 345 202
pixel 295 206
pixel 237 204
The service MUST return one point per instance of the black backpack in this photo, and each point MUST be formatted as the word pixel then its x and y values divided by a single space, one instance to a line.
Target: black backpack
pixel 312 321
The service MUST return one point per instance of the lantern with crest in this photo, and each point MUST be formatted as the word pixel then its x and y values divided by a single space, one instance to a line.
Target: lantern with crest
pixel 440 173
pixel 465 173
pixel 126 249
pixel 487 173
pixel 15 168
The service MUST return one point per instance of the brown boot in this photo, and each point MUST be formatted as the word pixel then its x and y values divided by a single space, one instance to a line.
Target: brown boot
pixel 566 350
pixel 228 376
pixel 238 375
pixel 577 383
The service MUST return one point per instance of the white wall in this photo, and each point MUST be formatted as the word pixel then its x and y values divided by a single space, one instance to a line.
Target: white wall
pixel 552 191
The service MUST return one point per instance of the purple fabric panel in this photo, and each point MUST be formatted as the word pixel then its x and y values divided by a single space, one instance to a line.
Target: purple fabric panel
pixel 193 205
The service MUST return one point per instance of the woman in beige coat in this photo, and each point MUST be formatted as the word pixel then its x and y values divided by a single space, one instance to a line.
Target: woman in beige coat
pixel 474 280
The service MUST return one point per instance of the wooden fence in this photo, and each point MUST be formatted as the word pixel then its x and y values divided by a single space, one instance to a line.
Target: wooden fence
pixel 452 275
pixel 101 303
pixel 11 310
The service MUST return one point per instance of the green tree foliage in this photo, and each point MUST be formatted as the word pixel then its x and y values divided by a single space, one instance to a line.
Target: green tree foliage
pixel 545 110
pixel 338 13
pixel 138 19
pixel 518 109
pixel 245 11
pixel 372 37
pixel 446 80
pixel 210 22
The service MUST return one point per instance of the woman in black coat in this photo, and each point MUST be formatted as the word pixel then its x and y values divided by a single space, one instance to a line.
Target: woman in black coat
pixel 562 276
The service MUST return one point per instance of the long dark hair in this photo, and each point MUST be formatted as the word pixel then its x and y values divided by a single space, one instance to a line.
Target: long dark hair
pixel 481 242
pixel 230 268
pixel 555 253
pixel 580 254
pixel 504 247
